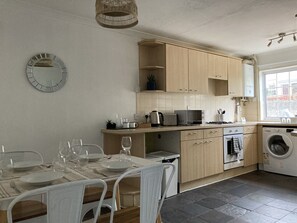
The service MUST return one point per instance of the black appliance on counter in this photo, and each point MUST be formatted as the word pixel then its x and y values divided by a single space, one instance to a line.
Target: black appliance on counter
pixel 189 117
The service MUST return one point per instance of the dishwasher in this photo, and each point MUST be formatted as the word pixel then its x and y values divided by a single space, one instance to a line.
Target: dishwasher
pixel 167 157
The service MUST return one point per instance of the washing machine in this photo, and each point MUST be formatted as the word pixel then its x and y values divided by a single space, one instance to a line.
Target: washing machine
pixel 279 150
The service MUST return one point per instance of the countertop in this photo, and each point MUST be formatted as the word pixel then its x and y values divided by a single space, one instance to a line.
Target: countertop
pixel 174 128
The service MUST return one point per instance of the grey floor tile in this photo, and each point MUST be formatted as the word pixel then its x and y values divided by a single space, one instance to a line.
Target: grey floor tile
pixel 290 218
pixel 215 217
pixel 211 202
pixel 272 212
pixel 258 197
pixel 232 210
pixel 193 210
pixel 253 217
pixel 243 190
pixel 225 185
pixel 247 204
pixel 289 206
pixel 193 196
pixel 237 220
pixel 195 220
pixel 175 216
pixel 226 197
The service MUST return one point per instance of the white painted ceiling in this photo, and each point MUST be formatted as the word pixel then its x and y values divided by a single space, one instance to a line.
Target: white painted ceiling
pixel 241 27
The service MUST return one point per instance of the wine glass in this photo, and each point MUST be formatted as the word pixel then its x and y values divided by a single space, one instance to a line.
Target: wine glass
pixel 83 157
pixel 64 150
pixel 76 147
pixel 59 164
pixel 126 144
pixel 75 142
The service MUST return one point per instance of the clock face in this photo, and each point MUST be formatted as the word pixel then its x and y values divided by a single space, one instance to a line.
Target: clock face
pixel 46 72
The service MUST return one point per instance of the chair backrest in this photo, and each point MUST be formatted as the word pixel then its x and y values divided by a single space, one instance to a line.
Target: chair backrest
pixel 19 156
pixel 150 190
pixel 64 201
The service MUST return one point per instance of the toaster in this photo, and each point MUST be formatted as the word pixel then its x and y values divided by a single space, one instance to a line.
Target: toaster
pixel 169 119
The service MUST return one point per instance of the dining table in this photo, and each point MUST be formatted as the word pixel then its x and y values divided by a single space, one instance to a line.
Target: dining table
pixel 14 184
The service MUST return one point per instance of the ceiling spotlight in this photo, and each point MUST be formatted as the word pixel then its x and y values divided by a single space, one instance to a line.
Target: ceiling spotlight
pixel 281 39
pixel 269 44
pixel 294 37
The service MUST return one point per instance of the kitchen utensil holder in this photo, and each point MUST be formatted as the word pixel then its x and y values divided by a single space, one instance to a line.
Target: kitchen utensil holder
pixel 220 117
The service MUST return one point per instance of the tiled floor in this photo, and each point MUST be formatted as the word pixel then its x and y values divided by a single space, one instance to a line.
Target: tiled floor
pixel 257 197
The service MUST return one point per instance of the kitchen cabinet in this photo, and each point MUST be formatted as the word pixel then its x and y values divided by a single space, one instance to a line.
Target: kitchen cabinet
pixel 152 60
pixel 235 78
pixel 234 85
pixel 213 156
pixel 201 154
pixel 217 67
pixel 198 72
pixel 177 68
pixel 250 145
pixel 192 160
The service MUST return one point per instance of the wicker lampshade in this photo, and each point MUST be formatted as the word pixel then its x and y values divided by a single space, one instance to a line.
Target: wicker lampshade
pixel 116 14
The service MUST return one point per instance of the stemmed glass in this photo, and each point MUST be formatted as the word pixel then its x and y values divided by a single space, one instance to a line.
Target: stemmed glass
pixel 76 148
pixel 83 158
pixel 63 155
pixel 64 150
pixel 126 144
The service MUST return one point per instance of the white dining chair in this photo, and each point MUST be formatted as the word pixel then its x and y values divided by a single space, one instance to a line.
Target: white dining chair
pixel 151 196
pixel 63 201
pixel 95 152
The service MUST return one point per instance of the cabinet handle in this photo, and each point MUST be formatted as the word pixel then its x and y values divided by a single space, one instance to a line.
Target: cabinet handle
pixel 180 89
pixel 190 90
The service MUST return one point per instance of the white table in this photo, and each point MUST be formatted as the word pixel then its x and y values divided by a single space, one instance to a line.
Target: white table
pixel 91 171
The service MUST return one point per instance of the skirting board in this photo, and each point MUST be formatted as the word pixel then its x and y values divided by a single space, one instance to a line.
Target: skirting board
pixel 216 178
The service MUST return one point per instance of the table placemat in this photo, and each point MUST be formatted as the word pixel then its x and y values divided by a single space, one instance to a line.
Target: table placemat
pixel 6 190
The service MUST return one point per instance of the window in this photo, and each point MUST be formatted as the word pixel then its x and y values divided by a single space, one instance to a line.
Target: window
pixel 279 93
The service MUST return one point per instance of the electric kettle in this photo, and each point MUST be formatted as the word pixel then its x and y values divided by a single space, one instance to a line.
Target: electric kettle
pixel 156 118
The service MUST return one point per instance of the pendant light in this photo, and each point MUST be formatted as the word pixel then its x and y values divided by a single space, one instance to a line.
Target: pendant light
pixel 116 14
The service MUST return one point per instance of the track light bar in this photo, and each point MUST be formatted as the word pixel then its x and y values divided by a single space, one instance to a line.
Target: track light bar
pixel 281 36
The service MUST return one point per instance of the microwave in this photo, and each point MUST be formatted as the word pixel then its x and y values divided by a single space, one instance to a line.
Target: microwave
pixel 189 117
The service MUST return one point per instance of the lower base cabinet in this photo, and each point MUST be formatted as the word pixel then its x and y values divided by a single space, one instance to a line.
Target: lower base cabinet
pixel 250 149
pixel 201 157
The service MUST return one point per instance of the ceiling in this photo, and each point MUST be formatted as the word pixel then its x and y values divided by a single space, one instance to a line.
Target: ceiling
pixel 241 27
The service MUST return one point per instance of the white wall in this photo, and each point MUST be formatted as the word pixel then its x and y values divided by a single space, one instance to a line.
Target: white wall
pixel 102 77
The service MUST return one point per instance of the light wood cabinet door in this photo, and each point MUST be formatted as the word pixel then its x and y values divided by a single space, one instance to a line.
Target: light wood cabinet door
pixel 191 135
pixel 250 149
pixel 213 156
pixel 177 68
pixel 217 67
pixel 235 77
pixel 198 75
pixel 192 160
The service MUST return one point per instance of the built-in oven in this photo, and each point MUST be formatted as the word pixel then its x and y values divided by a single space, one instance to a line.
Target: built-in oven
pixel 233 147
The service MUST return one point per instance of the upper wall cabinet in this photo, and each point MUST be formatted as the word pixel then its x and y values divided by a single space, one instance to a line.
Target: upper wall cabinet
pixel 235 78
pixel 181 69
pixel 177 68
pixel 152 61
pixel 217 67
pixel 234 85
pixel 198 72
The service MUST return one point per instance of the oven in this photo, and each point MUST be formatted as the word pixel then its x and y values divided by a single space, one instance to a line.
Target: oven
pixel 233 147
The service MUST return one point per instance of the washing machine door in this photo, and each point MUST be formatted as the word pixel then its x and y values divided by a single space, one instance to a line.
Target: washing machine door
pixel 279 146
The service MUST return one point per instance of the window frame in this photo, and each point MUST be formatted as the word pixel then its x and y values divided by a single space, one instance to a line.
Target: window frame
pixel 263 95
